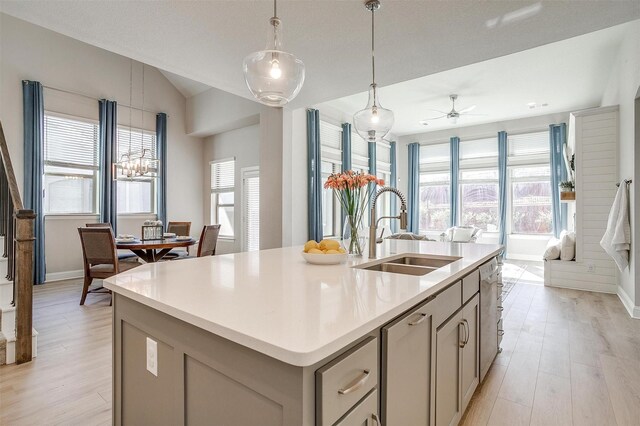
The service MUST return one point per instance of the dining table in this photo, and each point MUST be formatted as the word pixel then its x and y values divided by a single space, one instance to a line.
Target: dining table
pixel 153 250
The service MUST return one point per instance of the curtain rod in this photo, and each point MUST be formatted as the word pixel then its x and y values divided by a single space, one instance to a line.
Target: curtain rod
pixel 97 99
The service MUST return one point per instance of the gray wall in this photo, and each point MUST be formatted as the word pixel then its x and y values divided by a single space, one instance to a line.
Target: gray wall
pixel 244 145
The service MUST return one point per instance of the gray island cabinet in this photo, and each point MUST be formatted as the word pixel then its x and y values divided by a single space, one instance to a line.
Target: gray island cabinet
pixel 381 349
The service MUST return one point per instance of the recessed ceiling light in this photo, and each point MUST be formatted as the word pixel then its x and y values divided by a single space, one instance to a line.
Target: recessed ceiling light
pixel 424 122
pixel 544 105
pixel 531 105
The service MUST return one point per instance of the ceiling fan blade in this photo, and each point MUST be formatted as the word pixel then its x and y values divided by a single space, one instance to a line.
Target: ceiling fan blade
pixel 467 109
pixel 433 118
pixel 477 115
pixel 441 112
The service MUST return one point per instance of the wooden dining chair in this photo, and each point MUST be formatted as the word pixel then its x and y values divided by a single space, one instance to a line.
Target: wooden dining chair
pixel 180 229
pixel 100 258
pixel 98 225
pixel 123 256
pixel 208 240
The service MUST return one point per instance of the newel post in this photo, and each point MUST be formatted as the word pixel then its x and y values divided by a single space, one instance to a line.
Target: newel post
pixel 24 242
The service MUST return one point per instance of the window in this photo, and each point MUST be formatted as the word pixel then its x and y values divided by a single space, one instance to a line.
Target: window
pixel 331 209
pixel 250 209
pixel 331 153
pixel 70 165
pixel 478 184
pixel 435 204
pixel 479 198
pixel 435 181
pixel 136 196
pixel 530 183
pixel 222 196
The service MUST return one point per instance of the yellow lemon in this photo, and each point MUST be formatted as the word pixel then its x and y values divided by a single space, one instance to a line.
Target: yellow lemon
pixel 329 245
pixel 341 250
pixel 310 245
pixel 315 251
pixel 332 252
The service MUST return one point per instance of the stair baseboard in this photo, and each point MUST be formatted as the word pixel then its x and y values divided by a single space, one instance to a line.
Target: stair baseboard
pixel 7 319
pixel 6 291
pixel 10 357
pixel 3 349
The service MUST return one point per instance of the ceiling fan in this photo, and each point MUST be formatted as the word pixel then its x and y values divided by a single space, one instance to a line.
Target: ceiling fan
pixel 452 115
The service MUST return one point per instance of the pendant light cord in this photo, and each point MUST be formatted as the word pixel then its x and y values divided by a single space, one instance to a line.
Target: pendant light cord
pixel 373 54
pixel 130 104
pixel 275 9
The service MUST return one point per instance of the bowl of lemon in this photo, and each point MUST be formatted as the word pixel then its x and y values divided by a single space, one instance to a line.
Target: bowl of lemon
pixel 326 252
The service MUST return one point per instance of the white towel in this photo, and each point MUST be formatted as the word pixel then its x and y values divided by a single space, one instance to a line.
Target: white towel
pixel 617 238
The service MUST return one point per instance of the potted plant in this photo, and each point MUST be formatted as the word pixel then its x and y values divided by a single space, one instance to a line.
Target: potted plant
pixel 567 190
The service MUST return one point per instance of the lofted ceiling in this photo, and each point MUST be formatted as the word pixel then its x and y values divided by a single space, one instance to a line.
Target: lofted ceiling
pixel 206 41
pixel 186 86
pixel 567 75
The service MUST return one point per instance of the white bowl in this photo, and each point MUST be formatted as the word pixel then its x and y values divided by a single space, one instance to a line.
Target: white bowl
pixel 325 259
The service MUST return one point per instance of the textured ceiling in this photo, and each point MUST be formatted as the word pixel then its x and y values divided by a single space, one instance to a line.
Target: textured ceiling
pixel 207 40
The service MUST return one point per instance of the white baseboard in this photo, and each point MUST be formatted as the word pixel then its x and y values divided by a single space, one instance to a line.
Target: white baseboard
pixel 66 275
pixel 634 311
pixel 587 286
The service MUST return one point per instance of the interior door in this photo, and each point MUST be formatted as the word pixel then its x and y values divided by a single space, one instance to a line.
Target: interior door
pixel 448 406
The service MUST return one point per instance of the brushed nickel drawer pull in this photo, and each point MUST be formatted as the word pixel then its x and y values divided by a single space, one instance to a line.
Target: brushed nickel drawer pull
pixel 356 384
pixel 418 321
pixel 467 331
pixel 461 343
pixel 500 308
pixel 500 332
pixel 376 419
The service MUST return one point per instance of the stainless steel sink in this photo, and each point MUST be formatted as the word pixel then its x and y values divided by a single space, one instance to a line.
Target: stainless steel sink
pixel 429 262
pixel 397 268
pixel 410 264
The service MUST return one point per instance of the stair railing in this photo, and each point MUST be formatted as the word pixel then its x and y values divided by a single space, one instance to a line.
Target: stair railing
pixel 17 228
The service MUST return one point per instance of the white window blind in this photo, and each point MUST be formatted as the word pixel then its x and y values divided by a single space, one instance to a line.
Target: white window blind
pixel 70 142
pixel 223 175
pixel 478 148
pixel 529 143
pixel 134 138
pixel 251 210
pixel 330 135
pixel 435 153
pixel 70 165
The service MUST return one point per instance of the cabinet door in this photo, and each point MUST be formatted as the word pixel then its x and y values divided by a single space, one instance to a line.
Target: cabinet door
pixel 470 359
pixel 447 372
pixel 406 368
pixel 365 413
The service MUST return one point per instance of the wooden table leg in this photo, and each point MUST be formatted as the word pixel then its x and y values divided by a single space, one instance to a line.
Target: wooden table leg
pixel 162 253
pixel 142 254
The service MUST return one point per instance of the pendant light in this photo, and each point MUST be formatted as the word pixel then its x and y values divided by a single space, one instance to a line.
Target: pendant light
pixel 273 76
pixel 373 122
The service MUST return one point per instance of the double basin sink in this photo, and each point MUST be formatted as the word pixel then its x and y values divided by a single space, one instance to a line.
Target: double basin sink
pixel 409 264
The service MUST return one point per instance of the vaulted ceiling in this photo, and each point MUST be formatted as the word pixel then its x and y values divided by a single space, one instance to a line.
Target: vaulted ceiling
pixel 207 40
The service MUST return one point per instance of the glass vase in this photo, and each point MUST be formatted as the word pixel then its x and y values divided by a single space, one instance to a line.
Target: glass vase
pixel 353 236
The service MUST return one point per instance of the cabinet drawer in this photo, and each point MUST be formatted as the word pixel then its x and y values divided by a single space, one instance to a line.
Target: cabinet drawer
pixel 344 381
pixel 447 303
pixel 363 414
pixel 470 285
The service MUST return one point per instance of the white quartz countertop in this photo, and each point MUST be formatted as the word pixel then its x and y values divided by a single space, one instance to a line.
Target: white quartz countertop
pixel 273 302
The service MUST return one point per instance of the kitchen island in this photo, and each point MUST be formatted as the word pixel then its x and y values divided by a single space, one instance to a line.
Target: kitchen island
pixel 265 338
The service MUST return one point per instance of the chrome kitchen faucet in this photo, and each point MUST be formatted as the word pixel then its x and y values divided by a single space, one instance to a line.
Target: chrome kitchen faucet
pixel 373 239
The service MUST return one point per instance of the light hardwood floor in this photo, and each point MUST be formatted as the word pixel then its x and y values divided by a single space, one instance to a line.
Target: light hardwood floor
pixel 569 357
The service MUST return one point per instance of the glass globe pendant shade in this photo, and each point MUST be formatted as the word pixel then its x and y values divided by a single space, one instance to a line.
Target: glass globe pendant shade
pixel 274 77
pixel 374 121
